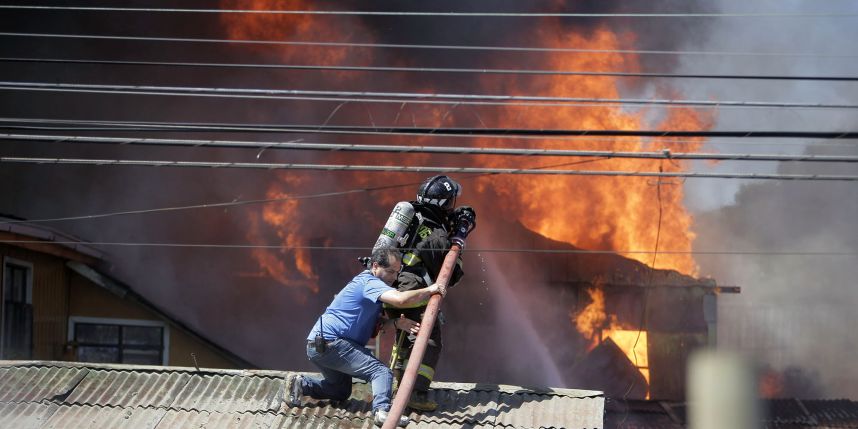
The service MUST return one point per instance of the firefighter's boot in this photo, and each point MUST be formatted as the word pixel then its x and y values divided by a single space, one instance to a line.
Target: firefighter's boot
pixel 420 401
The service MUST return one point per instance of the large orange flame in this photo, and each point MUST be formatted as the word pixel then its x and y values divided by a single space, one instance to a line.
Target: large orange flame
pixel 615 213
pixel 606 213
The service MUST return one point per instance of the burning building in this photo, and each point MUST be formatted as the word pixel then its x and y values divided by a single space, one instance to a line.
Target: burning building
pixel 617 282
pixel 549 251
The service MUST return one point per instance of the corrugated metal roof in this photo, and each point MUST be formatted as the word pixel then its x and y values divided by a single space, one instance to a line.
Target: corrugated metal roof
pixel 33 384
pixel 41 395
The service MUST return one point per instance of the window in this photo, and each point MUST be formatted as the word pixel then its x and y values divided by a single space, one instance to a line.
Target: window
pixel 140 342
pixel 17 309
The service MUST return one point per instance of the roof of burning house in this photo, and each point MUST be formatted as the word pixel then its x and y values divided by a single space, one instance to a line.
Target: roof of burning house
pixel 39 394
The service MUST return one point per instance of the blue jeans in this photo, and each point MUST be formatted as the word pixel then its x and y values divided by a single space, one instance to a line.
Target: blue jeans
pixel 342 360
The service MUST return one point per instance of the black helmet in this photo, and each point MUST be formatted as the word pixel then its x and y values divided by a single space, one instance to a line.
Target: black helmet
pixel 440 191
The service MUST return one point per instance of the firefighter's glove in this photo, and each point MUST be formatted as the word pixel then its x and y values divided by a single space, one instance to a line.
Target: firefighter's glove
pixel 464 221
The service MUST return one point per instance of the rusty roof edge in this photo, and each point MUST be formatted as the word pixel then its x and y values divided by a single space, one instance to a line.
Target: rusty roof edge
pixel 50 235
pixel 507 388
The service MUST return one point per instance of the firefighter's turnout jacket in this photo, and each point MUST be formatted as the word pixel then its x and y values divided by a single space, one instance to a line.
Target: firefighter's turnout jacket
pixel 423 256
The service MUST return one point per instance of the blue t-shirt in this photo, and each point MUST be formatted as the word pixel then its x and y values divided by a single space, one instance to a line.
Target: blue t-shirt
pixel 354 311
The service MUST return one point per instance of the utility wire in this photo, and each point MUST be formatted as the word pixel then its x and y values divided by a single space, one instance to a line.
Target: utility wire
pixel 459 150
pixel 86 125
pixel 424 46
pixel 392 97
pixel 316 67
pixel 418 169
pixel 237 202
pixel 442 14
pixel 496 250
pixel 418 46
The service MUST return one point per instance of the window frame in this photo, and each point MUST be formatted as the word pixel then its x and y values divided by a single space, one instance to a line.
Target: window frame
pixel 165 329
pixel 7 260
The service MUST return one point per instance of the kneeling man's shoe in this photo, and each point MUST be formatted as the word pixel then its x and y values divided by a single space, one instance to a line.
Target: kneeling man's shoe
pixel 296 392
pixel 381 417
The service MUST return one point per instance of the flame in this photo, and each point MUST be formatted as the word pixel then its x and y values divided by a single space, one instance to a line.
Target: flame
pixel 592 319
pixel 597 326
pixel 292 265
pixel 610 213
pixel 605 213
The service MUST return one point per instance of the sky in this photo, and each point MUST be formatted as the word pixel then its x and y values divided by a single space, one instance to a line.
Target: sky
pixel 199 285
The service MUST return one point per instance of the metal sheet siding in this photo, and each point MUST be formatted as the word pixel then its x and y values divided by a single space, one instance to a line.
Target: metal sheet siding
pixel 50 296
pixel 50 308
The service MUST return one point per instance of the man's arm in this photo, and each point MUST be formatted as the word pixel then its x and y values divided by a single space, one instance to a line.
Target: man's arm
pixel 405 298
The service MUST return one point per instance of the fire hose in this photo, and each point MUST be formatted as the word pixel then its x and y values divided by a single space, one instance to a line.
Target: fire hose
pixel 409 377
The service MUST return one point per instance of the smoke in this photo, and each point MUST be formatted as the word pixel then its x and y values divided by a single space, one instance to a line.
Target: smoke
pixel 795 310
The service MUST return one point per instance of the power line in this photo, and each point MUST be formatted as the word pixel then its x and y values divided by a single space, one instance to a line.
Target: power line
pixel 417 169
pixel 425 46
pixel 500 133
pixel 342 147
pixel 457 70
pixel 442 14
pixel 497 250
pixel 393 97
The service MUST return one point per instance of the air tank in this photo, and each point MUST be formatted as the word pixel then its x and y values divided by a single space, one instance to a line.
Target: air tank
pixel 393 233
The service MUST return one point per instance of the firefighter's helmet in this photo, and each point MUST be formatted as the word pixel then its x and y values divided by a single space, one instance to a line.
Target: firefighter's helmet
pixel 439 191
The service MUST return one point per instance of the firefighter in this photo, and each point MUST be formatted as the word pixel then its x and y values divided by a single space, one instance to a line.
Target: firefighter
pixel 425 242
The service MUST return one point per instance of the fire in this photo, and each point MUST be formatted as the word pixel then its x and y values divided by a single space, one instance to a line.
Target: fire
pixel 291 265
pixel 624 214
pixel 597 326
pixel 592 319
pixel 608 213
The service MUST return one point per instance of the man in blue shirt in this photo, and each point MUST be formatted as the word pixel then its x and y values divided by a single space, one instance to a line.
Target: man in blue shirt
pixel 337 342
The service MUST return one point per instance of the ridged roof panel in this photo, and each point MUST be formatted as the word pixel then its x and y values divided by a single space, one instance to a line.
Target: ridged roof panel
pixel 31 415
pixel 180 419
pixel 128 388
pixel 96 417
pixel 32 384
pixel 94 396
pixel 231 393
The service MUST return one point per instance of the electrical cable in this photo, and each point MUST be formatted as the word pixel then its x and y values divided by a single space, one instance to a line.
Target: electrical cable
pixel 86 125
pixel 316 67
pixel 232 203
pixel 644 311
pixel 237 202
pixel 666 137
pixel 442 14
pixel 497 250
pixel 423 46
pixel 419 169
pixel 393 97
pixel 340 147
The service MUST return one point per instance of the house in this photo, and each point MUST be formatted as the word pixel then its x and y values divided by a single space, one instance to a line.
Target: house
pixel 58 306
